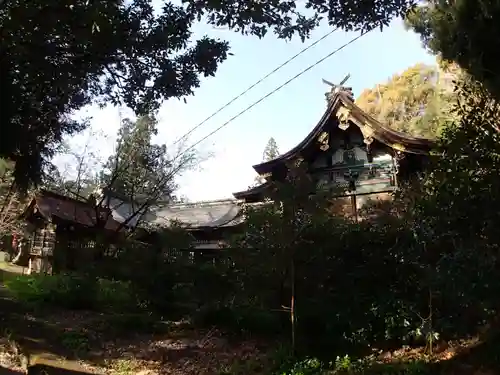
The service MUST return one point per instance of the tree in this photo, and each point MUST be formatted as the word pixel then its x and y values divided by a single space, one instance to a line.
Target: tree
pixel 77 176
pixel 10 202
pixel 271 152
pixel 295 250
pixel 140 172
pixel 456 31
pixel 419 101
pixel 460 256
pixel 126 52
pixel 78 188
pixel 287 216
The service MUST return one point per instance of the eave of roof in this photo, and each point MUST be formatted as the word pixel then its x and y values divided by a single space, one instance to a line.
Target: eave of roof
pixel 397 140
pixel 50 204
pixel 253 190
pixel 197 216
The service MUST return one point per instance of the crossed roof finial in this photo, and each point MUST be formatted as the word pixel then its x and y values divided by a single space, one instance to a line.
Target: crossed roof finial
pixel 336 88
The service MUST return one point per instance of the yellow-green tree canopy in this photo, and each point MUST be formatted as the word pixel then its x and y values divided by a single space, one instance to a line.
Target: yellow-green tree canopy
pixel 419 101
pixel 462 31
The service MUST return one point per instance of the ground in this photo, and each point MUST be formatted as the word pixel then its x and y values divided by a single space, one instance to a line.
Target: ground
pixel 90 342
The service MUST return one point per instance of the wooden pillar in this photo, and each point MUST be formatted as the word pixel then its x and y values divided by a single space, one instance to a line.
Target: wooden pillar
pixel 354 205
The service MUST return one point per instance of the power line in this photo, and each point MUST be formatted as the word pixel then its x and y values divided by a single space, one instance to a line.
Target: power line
pixel 274 91
pixel 255 84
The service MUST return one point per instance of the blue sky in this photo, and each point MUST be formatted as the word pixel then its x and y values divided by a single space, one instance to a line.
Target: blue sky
pixel 287 115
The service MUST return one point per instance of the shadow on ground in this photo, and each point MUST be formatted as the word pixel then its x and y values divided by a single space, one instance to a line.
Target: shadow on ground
pixel 6 371
pixel 54 370
pixel 481 358
pixel 18 324
pixel 42 370
pixel 41 334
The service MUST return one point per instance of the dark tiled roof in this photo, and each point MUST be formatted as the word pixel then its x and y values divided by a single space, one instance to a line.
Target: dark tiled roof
pixel 210 214
pixel 198 215
pixel 51 205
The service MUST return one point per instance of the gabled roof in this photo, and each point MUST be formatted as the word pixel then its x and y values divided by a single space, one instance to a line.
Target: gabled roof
pixel 123 211
pixel 211 214
pixel 50 204
pixel 199 215
pixel 343 107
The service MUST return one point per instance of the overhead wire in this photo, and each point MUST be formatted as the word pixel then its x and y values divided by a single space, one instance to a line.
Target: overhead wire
pixel 253 85
pixel 274 91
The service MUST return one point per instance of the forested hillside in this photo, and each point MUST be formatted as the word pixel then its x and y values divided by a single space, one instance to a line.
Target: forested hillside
pixel 419 101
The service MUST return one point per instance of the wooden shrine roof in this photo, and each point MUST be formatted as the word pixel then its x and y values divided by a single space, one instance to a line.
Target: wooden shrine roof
pixel 52 205
pixel 342 105
pixel 259 189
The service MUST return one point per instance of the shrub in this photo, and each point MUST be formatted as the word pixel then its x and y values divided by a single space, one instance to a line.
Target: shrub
pixel 347 366
pixel 116 295
pixel 76 342
pixel 241 320
pixel 73 291
pixel 123 324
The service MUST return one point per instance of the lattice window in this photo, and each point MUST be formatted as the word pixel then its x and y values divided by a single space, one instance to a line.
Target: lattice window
pixel 43 242
pixel 37 242
pixel 49 240
pixel 172 254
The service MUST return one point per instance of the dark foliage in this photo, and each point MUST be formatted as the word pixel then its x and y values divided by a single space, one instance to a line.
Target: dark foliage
pixel 70 54
pixel 462 31
pixel 73 291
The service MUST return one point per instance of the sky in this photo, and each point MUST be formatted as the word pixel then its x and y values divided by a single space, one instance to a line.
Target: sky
pixel 288 115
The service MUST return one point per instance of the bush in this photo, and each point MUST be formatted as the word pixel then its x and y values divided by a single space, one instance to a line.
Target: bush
pixel 116 295
pixel 114 325
pixel 73 291
pixel 347 366
pixel 240 320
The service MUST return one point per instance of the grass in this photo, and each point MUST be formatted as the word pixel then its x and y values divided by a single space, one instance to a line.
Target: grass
pixel 9 271
pixel 124 366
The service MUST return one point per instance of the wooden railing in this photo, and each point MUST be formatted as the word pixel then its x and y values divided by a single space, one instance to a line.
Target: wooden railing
pixel 362 179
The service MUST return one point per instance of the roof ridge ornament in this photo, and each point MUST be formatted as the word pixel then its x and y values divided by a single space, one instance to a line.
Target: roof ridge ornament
pixel 338 88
